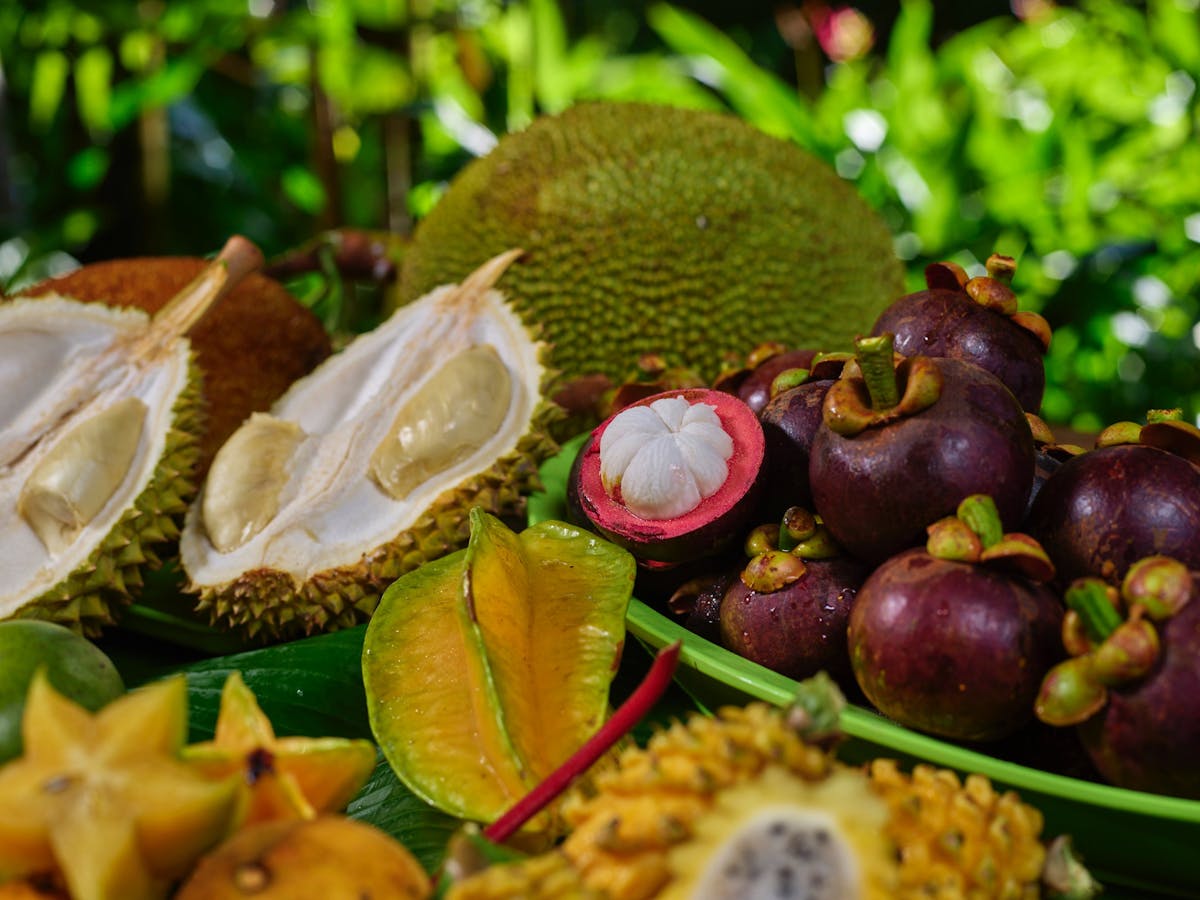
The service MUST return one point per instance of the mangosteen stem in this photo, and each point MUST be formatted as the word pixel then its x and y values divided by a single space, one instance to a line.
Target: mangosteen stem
pixel 627 715
pixel 876 360
pixel 980 514
pixel 1090 598
pixel 1164 415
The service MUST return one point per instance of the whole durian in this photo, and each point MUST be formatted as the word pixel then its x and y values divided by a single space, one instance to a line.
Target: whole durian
pixel 659 230
pixel 739 805
pixel 99 424
pixel 370 465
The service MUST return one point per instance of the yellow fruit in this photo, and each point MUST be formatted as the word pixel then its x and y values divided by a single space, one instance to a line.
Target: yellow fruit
pixel 486 669
pixel 279 777
pixel 104 798
pixel 368 467
pixel 327 858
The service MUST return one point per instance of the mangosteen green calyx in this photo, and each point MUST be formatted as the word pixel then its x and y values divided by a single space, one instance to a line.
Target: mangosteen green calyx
pixel 976 320
pixel 1132 682
pixel 902 444
pixel 1136 494
pixel 788 607
pixel 673 477
pixel 954 638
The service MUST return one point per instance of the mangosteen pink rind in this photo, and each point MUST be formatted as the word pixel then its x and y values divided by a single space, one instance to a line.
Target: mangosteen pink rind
pixel 702 531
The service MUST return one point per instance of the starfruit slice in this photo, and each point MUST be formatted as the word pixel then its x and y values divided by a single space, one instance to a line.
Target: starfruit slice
pixel 103 798
pixel 280 777
pixel 484 670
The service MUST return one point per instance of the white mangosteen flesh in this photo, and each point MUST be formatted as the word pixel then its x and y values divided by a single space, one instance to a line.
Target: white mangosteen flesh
pixel 661 460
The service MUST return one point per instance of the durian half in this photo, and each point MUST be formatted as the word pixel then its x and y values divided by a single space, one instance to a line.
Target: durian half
pixel 369 466
pixel 99 424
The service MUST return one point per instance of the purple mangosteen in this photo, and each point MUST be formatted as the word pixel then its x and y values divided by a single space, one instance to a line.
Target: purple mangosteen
pixel 954 638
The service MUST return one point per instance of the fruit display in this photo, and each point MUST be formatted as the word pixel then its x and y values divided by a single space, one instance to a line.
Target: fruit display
pixel 369 466
pixel 892 524
pixel 99 430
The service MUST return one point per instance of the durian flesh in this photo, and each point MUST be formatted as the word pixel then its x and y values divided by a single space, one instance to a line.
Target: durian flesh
pixel 83 429
pixel 369 466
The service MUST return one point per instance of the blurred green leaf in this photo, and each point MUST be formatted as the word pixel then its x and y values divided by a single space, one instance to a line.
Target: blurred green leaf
pixel 303 188
pixel 93 89
pixel 50 72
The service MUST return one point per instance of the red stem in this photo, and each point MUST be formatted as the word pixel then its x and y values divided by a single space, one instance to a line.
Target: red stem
pixel 627 715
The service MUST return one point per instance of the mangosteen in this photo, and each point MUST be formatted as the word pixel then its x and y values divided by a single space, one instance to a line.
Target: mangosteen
pixel 789 422
pixel 1132 683
pixel 673 477
pixel 752 382
pixel 976 320
pixel 1137 494
pixel 787 609
pixel 1048 455
pixel 900 446
pixel 954 638
pixel 697 602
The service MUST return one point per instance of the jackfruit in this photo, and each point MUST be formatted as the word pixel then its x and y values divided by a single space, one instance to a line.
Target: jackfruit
pixel 99 426
pixel 652 229
pixel 370 465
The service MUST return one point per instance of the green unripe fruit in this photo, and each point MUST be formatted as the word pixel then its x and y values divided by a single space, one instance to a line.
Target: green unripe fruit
pixel 77 668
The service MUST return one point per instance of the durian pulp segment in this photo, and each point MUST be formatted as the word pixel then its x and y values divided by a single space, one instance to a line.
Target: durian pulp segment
pixel 87 378
pixel 330 509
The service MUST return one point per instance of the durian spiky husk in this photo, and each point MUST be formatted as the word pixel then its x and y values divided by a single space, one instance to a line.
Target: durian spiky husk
pixel 307 516
pixel 99 423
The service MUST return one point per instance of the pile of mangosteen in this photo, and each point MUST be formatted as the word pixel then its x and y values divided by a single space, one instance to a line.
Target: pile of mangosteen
pixel 902 519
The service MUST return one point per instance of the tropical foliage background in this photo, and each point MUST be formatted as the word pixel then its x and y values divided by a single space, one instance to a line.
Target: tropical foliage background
pixel 1063 135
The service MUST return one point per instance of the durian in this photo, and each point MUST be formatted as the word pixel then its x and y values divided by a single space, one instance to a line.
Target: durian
pixel 250 346
pixel 99 422
pixel 659 230
pixel 738 805
pixel 369 466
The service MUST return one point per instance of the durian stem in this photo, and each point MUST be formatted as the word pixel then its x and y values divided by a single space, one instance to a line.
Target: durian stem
pixel 1089 597
pixel 875 359
pixel 237 259
pixel 627 715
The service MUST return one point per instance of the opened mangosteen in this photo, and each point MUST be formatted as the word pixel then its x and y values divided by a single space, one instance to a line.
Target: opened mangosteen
pixel 788 607
pixel 1132 682
pixel 673 477
pixel 901 445
pixel 975 320
pixel 954 638
pixel 752 382
pixel 1137 494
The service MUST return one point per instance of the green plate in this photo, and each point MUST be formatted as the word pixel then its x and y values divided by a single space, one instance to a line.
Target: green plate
pixel 1144 842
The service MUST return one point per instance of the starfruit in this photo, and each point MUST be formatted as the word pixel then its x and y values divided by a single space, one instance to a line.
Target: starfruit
pixel 484 670
pixel 103 799
pixel 279 777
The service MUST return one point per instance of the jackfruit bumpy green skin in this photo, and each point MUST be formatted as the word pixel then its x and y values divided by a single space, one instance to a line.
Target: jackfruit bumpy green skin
pixel 653 229
pixel 91 597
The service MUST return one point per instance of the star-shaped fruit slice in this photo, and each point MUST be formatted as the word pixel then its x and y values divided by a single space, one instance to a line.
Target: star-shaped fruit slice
pixel 280 777
pixel 104 798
